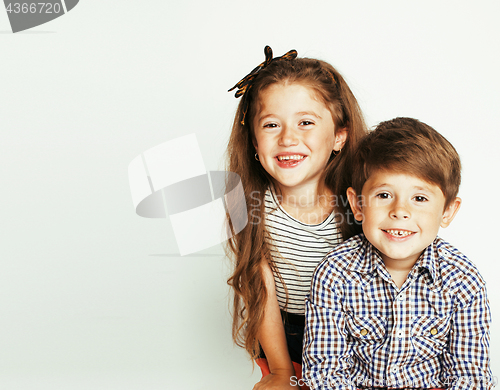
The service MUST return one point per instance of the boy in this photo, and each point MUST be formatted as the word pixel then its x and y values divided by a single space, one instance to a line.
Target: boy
pixel 397 307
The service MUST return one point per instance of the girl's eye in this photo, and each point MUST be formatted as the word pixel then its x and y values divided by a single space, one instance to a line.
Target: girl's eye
pixel 420 198
pixel 270 125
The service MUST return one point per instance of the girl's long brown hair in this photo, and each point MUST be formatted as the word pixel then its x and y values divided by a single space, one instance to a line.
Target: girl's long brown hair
pixel 248 248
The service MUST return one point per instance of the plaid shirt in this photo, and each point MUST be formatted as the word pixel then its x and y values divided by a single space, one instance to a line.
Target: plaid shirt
pixel 362 331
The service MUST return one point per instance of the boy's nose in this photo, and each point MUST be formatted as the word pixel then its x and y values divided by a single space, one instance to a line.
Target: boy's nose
pixel 400 212
pixel 288 137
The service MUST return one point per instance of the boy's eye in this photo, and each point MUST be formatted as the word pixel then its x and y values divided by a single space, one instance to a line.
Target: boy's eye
pixel 306 123
pixel 383 195
pixel 420 198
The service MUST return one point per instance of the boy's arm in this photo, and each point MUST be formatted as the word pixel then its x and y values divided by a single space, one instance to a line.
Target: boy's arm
pixel 326 355
pixel 466 362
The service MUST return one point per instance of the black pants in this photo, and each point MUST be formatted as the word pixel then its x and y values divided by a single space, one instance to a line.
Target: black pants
pixel 294 331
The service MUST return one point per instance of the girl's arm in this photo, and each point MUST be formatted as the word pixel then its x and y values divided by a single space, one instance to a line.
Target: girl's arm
pixel 273 341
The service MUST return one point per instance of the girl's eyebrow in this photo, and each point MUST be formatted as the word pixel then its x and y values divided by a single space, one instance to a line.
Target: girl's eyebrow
pixel 264 117
pixel 309 113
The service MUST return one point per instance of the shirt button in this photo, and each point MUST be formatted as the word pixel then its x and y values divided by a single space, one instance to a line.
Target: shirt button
pixel 434 331
pixel 394 369
pixel 401 297
pixel 353 244
pixel 363 332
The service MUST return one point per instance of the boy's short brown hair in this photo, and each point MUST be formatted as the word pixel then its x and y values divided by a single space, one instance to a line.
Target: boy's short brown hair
pixel 408 146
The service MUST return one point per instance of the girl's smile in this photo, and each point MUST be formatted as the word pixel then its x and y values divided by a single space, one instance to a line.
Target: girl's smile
pixel 290 160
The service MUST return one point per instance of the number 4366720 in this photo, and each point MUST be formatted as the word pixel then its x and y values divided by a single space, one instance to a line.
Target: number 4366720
pixel 34 8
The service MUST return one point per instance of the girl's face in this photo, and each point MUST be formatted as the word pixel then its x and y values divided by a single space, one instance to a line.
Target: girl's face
pixel 295 135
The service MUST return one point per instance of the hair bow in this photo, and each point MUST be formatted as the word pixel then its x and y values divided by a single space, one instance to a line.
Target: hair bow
pixel 246 82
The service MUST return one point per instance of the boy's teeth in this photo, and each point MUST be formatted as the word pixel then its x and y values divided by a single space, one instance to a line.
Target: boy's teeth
pixel 399 233
pixel 293 157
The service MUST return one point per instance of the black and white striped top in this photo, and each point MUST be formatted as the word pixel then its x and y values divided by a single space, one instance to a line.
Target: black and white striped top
pixel 296 248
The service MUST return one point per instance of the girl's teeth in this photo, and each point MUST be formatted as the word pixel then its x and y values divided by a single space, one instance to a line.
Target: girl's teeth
pixel 399 233
pixel 294 157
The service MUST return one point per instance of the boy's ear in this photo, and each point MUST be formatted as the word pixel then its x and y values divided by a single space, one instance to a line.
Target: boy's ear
pixel 355 204
pixel 340 138
pixel 450 212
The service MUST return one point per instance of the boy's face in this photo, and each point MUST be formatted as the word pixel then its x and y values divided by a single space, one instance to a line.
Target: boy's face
pixel 401 214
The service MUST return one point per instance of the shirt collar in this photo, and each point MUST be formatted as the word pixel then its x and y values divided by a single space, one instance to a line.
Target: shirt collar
pixel 367 260
pixel 428 263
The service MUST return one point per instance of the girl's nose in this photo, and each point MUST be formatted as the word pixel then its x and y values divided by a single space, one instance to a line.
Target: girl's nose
pixel 288 137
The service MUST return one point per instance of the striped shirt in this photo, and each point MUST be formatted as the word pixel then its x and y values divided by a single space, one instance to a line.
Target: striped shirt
pixel 362 331
pixel 296 249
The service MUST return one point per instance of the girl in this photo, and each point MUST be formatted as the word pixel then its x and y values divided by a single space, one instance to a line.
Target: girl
pixel 294 128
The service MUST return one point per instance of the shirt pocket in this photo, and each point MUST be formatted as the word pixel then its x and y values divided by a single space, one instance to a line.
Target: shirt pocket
pixel 366 335
pixel 368 329
pixel 430 334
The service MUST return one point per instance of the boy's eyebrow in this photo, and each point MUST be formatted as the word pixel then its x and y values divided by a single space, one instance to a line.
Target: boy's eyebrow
pixel 432 189
pixel 419 188
pixel 422 188
pixel 379 186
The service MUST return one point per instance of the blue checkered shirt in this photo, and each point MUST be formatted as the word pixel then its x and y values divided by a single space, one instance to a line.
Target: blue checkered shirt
pixel 362 331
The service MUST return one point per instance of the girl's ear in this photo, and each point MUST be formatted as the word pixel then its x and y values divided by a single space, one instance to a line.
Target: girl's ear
pixel 355 204
pixel 254 142
pixel 340 138
pixel 450 212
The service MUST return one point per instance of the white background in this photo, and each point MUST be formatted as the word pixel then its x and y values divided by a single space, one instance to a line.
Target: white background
pixel 93 296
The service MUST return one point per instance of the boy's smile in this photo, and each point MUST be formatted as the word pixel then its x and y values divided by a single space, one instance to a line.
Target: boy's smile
pixel 401 215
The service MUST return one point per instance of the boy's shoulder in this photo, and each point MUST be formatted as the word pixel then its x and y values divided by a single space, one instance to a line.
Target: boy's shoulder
pixel 453 267
pixel 345 256
pixel 347 247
